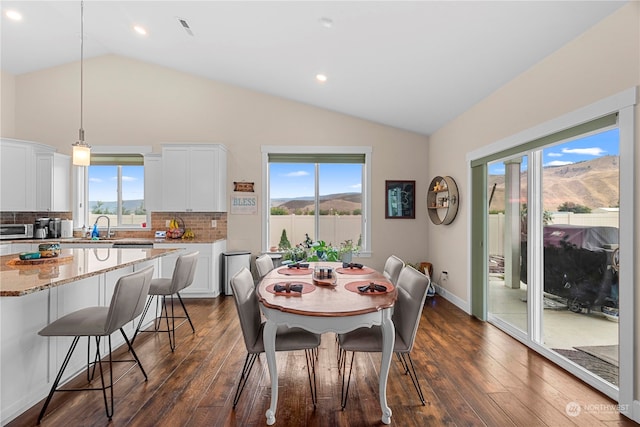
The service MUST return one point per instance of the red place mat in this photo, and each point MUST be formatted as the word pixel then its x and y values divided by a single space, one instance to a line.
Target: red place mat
pixel 355 271
pixel 306 288
pixel 295 271
pixel 353 286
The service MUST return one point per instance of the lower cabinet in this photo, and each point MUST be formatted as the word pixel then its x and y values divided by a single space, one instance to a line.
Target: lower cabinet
pixel 31 362
pixel 206 282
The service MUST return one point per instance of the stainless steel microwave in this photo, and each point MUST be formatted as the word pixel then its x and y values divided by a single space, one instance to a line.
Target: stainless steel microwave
pixel 16 231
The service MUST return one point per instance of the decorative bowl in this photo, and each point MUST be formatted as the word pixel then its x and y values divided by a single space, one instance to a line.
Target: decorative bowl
pixel 49 250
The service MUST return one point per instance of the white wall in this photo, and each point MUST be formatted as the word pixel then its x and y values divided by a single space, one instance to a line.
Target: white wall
pixel 7 105
pixel 128 102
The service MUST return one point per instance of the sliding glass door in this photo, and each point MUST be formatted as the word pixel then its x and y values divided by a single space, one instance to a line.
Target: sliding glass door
pixel 551 261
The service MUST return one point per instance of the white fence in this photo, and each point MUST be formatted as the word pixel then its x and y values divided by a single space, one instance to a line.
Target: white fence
pixel 334 229
pixel 496 225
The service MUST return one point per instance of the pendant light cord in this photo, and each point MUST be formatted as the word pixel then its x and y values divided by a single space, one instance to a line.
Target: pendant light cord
pixel 81 132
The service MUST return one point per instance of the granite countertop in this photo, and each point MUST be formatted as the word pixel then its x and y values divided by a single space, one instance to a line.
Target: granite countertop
pixel 71 265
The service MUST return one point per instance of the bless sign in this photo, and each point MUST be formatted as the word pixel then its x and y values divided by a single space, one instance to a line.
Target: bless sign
pixel 243 203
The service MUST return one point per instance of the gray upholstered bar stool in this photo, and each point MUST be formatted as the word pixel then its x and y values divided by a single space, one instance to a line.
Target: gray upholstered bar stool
pixel 127 302
pixel 182 277
pixel 264 264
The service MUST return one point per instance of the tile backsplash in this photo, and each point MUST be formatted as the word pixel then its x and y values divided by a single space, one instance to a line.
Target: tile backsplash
pixel 30 217
pixel 198 222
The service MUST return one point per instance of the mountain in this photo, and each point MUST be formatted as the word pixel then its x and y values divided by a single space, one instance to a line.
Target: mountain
pixel 128 205
pixel 340 202
pixel 593 183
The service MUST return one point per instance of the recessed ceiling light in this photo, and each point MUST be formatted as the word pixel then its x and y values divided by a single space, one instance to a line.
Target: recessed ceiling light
pixel 140 30
pixel 13 15
pixel 326 22
pixel 321 78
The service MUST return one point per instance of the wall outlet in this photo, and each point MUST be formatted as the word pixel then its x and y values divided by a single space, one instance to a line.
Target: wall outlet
pixel 445 276
pixel 214 223
pixel 166 223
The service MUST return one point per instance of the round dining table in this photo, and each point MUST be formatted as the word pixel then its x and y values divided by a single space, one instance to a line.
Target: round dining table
pixel 332 298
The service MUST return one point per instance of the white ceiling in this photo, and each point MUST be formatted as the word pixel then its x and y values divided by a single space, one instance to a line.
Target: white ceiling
pixel 412 65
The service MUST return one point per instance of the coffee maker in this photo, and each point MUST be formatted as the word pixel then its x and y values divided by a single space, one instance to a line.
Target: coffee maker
pixel 41 228
pixel 55 228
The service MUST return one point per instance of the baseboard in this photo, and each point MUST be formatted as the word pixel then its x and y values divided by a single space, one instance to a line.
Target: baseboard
pixel 453 299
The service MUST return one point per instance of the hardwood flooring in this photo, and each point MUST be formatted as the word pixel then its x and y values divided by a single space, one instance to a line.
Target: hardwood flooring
pixel 472 374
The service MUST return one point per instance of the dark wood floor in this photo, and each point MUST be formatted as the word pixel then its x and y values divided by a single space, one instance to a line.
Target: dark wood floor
pixel 471 373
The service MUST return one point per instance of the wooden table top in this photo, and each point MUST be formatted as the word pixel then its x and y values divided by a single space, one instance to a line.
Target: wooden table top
pixel 326 301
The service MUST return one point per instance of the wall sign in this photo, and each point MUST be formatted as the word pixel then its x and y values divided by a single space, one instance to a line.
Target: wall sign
pixel 244 203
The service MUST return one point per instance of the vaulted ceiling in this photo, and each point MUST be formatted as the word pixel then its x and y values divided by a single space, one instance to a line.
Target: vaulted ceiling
pixel 411 65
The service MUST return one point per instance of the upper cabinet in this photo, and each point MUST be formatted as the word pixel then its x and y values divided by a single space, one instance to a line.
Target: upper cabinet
pixel 33 177
pixel 16 176
pixel 52 182
pixel 194 178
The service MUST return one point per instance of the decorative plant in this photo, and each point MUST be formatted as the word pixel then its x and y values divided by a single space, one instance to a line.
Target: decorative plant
pixel 284 241
pixel 323 252
pixel 297 253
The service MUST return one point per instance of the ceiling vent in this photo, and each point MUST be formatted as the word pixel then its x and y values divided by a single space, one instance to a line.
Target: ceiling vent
pixel 186 26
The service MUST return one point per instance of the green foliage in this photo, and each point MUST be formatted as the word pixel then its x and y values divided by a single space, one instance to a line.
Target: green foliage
pixel 279 210
pixel 573 207
pixel 100 209
pixel 284 241
pixel 140 210
pixel 357 211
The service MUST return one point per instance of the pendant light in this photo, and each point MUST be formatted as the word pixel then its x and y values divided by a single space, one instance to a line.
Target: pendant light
pixel 81 150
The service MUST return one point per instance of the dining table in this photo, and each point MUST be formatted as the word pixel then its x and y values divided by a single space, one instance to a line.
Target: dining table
pixel 323 297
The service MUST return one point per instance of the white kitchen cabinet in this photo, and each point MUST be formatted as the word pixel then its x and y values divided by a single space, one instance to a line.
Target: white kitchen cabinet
pixel 33 177
pixel 53 173
pixel 16 176
pixel 194 178
pixel 153 182
pixel 206 281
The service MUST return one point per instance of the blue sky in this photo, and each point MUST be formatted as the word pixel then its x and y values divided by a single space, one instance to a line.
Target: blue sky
pixel 587 148
pixel 103 183
pixel 290 180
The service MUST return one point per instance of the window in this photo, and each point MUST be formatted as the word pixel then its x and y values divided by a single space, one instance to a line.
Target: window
pixel 115 188
pixel 321 192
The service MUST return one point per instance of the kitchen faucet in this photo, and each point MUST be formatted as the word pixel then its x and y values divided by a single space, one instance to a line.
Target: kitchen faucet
pixel 108 225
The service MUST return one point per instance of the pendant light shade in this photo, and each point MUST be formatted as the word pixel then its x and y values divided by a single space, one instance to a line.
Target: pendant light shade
pixel 81 150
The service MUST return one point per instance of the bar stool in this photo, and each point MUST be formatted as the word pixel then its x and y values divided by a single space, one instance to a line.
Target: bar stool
pixel 127 302
pixel 183 274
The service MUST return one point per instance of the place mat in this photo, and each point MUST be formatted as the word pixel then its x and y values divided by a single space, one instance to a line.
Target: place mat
pixel 295 271
pixel 306 288
pixel 353 286
pixel 355 271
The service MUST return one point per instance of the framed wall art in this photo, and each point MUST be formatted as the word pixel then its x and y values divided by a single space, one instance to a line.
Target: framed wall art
pixel 400 199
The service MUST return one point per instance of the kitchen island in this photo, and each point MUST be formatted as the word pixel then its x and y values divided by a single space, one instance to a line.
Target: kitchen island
pixel 32 296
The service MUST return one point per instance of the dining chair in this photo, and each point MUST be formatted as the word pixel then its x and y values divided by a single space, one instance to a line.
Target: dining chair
pixel 392 268
pixel 182 277
pixel 128 299
pixel 412 291
pixel 287 339
pixel 264 264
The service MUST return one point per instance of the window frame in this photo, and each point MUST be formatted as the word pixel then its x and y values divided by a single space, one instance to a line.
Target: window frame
pixel 81 183
pixel 328 150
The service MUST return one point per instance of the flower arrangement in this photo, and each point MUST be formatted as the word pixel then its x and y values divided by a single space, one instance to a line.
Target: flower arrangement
pixel 321 251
